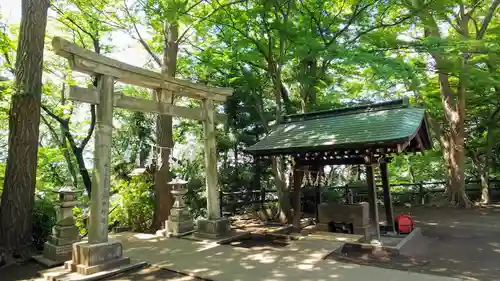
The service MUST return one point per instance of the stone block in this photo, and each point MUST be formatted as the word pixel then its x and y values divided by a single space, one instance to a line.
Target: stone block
pixel 58 253
pixel 213 229
pixel 179 215
pixel 365 231
pixel 179 228
pixel 88 255
pixel 357 214
pixel 66 232
pixel 88 270
pixel 61 241
pixel 66 221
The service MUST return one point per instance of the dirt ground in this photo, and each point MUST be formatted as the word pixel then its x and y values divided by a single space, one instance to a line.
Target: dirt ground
pixel 458 243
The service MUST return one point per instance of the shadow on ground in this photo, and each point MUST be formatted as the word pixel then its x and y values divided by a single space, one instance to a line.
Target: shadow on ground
pixel 152 273
pixel 457 243
pixel 21 271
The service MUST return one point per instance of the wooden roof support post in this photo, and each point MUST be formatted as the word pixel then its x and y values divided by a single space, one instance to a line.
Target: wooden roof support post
pixel 99 204
pixel 389 212
pixel 213 203
pixel 372 200
pixel 298 175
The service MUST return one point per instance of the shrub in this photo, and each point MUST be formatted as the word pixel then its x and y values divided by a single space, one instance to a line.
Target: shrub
pixel 44 217
pixel 132 205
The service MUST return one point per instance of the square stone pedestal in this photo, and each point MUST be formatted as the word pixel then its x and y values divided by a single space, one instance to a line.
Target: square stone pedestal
pixel 58 248
pixel 213 229
pixel 179 222
pixel 92 258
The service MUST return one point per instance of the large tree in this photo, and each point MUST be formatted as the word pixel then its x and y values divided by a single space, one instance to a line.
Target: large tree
pixel 454 54
pixel 24 120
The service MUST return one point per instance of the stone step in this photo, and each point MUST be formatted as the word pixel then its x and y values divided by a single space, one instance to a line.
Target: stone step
pixel 63 274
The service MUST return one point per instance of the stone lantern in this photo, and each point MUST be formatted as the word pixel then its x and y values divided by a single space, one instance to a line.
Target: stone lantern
pixel 58 248
pixel 179 221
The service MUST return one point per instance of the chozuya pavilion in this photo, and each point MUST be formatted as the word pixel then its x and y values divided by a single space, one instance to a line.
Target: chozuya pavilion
pixel 366 135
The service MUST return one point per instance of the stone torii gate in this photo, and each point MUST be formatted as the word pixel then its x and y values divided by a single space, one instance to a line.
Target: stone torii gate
pixel 98 253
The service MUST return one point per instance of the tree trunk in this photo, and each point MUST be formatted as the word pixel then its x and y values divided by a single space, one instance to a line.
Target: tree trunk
pixel 278 166
pixel 24 120
pixel 482 170
pixel 456 164
pixel 453 101
pixel 164 135
pixel 283 192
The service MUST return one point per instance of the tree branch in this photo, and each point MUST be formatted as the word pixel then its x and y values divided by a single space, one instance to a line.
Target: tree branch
pixel 61 13
pixel 5 52
pixel 54 116
pixel 357 11
pixel 221 6
pixel 487 19
pixel 140 39
pixel 64 126
pixel 91 128
pixel 244 34
pixel 52 130
pixel 361 33
pixel 193 6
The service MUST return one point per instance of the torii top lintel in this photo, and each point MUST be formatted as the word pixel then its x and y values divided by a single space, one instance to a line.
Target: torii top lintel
pixel 89 62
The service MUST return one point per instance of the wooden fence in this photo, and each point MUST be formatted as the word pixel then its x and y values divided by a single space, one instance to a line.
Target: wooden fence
pixel 239 202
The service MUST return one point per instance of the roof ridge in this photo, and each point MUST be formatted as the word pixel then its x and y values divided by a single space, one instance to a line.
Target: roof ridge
pixel 386 105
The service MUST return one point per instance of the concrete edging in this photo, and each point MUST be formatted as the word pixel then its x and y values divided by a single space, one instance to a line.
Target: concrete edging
pixel 393 250
pixel 408 237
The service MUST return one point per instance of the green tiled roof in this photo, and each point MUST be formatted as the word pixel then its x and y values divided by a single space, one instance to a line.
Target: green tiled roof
pixel 345 128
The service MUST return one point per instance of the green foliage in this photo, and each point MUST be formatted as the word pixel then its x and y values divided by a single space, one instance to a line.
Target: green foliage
pixel 132 204
pixel 44 218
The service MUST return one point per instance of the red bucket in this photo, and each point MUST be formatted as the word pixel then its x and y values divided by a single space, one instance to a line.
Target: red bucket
pixel 404 223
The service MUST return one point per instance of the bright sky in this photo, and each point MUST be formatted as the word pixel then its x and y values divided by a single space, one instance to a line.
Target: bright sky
pixel 127 47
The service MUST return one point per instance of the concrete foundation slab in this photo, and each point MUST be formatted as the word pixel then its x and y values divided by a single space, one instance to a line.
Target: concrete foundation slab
pixel 394 245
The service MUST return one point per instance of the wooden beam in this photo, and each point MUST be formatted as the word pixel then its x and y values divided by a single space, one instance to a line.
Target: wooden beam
pixel 92 63
pixel 91 95
pixel 402 147
pixel 419 142
pixel 372 202
pixel 91 68
pixel 345 161
pixel 389 211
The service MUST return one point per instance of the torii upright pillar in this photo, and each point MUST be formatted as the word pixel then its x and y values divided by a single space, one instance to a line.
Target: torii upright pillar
pixel 215 226
pixel 98 253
